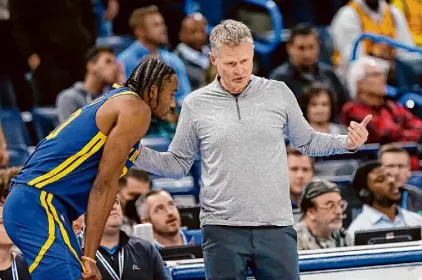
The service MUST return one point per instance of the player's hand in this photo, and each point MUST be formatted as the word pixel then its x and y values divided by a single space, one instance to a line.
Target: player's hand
pixel 358 134
pixel 92 272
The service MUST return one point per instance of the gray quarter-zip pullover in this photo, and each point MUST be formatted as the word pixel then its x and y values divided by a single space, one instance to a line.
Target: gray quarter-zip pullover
pixel 243 153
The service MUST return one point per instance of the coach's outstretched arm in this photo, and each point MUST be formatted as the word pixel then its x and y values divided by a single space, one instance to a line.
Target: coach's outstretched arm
pixel 125 121
pixel 310 142
pixel 183 149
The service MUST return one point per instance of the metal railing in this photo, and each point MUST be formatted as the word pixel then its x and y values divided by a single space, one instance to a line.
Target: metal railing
pixel 381 39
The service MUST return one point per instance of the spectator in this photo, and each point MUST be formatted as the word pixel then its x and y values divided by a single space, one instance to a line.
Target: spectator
pixel 101 71
pixel 323 211
pixel 396 162
pixel 4 154
pixel 412 10
pixel 380 195
pixel 133 185
pixel 132 257
pixel 368 16
pixel 106 11
pixel 158 208
pixel 78 225
pixel 78 228
pixel 13 266
pixel 151 36
pixel 14 88
pixel 303 67
pixel 193 50
pixel 391 122
pixel 301 172
pixel 53 40
pixel 318 107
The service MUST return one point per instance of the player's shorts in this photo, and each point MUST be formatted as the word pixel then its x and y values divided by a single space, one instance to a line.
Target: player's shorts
pixel 36 223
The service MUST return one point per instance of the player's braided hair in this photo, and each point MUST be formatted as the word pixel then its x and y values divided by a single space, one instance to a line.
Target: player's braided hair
pixel 148 73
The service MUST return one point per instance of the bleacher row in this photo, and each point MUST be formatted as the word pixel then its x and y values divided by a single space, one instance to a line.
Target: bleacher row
pixel 40 121
pixel 407 90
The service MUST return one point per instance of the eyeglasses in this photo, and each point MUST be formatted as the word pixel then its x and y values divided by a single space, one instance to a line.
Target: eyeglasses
pixel 331 206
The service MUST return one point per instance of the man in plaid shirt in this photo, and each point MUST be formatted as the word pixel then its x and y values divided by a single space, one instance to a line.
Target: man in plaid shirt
pixel 391 122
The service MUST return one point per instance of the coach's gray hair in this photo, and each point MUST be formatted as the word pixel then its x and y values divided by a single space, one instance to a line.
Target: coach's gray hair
pixel 357 72
pixel 229 32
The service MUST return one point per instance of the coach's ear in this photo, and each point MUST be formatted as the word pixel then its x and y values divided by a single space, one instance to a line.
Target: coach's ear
pixel 213 58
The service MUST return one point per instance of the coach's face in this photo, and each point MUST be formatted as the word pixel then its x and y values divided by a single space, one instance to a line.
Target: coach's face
pixel 234 65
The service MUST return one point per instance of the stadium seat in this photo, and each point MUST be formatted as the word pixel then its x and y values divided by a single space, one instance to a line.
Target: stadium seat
pixel 16 135
pixel 409 75
pixel 341 167
pixel 339 180
pixel 416 179
pixel 7 93
pixel 327 46
pixel 183 190
pixel 160 144
pixel 196 234
pixel 17 155
pixel 117 43
pixel 412 101
pixel 189 217
pixel 44 120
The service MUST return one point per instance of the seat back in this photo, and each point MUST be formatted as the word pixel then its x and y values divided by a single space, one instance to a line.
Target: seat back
pixel 16 134
pixel 44 120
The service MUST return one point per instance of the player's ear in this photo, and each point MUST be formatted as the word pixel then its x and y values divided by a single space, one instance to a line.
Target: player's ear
pixel 144 220
pixel 153 92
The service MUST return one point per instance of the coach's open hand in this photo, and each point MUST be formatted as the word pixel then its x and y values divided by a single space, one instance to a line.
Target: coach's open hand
pixel 92 272
pixel 358 134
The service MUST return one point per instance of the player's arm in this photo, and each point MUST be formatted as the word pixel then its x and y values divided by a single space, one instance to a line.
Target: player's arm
pixel 130 124
pixel 182 151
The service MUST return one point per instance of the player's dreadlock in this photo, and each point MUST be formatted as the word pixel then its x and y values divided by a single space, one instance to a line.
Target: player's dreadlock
pixel 148 73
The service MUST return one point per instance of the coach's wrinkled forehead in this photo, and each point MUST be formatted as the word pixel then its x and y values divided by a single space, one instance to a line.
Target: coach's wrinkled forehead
pixel 229 32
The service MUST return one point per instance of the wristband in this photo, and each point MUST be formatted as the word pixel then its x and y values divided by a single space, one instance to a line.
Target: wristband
pixel 89 259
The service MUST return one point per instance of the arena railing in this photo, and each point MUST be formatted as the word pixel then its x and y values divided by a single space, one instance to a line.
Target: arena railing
pixel 398 260
pixel 381 39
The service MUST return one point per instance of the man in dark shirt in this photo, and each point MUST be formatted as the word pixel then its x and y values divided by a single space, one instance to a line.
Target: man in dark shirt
pixel 193 50
pixel 124 257
pixel 303 67
pixel 397 163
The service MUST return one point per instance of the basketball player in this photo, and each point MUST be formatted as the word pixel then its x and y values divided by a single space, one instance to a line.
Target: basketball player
pixel 76 169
